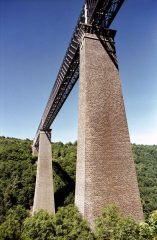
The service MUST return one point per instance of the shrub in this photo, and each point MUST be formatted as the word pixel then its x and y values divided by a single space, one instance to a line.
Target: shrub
pixel 11 228
pixel 111 225
pixel 41 226
pixel 70 225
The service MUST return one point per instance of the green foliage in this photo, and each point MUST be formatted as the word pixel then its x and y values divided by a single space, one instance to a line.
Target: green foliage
pixel 17 179
pixel 17 176
pixel 64 165
pixel 145 231
pixel 126 228
pixel 39 227
pixel 11 228
pixel 65 155
pixel 70 225
pixel 146 167
pixel 111 225
pixel 66 224
pixel 107 222
pixel 153 224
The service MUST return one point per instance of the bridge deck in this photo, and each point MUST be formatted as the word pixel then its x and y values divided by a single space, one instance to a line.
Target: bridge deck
pixel 99 13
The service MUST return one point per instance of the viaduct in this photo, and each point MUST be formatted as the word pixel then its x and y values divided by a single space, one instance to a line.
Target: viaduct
pixel 105 171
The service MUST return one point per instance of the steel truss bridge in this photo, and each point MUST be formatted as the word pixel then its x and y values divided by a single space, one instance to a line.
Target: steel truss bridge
pixel 96 13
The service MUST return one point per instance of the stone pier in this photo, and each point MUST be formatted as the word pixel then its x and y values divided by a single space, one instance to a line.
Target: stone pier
pixel 44 193
pixel 105 168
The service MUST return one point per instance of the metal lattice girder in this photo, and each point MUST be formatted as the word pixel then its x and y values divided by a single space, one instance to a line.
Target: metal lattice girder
pixel 100 14
pixel 103 13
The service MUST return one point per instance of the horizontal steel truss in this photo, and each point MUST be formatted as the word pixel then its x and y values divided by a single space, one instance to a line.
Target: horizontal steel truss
pixel 103 12
pixel 100 14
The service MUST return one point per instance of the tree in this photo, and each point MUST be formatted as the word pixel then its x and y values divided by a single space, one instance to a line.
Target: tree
pixel 70 225
pixel 153 224
pixel 11 228
pixel 41 226
pixel 107 222
pixel 112 225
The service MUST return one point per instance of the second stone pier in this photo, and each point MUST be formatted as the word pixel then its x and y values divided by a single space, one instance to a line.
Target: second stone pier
pixel 44 193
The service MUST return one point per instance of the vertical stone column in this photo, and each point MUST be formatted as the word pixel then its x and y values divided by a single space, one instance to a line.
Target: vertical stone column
pixel 105 170
pixel 44 193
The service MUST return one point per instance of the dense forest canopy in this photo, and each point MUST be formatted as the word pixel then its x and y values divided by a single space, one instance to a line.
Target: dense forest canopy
pixel 17 182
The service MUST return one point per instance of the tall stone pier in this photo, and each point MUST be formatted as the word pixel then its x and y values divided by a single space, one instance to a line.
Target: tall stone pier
pixel 44 193
pixel 105 168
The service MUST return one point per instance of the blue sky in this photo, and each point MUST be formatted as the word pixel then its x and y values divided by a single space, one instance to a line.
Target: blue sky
pixel 34 35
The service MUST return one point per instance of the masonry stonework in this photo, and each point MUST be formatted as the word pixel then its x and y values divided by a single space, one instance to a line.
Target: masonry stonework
pixel 44 193
pixel 105 168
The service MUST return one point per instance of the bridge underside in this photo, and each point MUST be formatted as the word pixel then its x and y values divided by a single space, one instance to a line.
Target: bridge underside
pixel 105 168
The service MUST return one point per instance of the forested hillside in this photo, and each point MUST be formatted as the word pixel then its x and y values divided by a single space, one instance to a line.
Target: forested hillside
pixel 17 180
pixel 146 166
pixel 17 174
